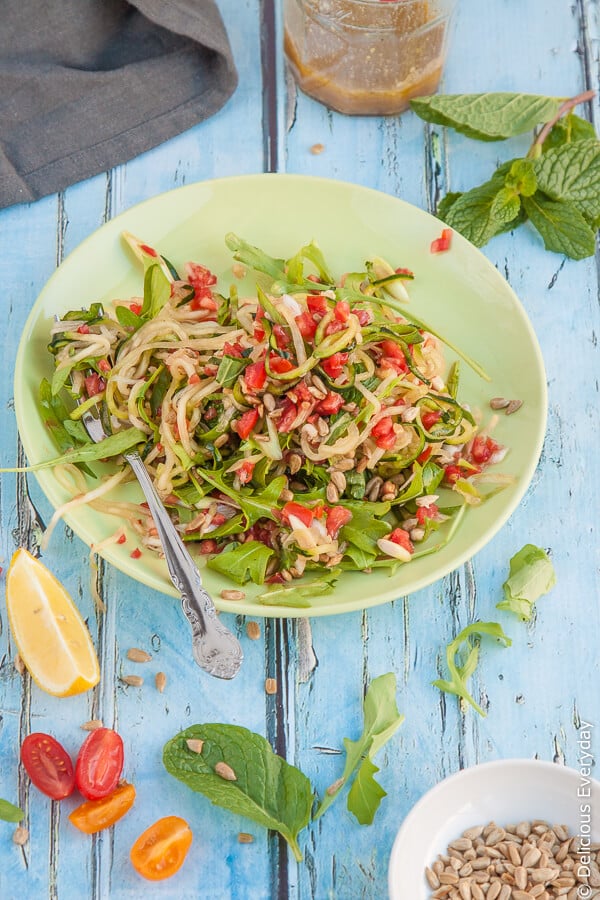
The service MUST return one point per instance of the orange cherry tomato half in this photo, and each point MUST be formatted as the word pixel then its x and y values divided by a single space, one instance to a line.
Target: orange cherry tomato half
pixel 94 815
pixel 160 851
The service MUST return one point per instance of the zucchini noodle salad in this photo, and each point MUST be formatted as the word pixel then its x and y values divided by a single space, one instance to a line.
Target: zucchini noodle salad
pixel 307 428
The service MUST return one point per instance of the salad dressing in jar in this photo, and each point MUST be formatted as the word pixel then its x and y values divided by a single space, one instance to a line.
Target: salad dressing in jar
pixel 366 57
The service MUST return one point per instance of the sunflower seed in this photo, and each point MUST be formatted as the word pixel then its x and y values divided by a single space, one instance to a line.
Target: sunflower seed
pixel 513 406
pixel 19 664
pixel 137 655
pixel 332 493
pixel 232 595
pixel 499 403
pixel 245 838
pixel 271 685
pixel 160 680
pixel 224 771
pixel 253 630
pixel 20 835
pixel 92 725
pixel 339 479
pixel 132 680
pixel 195 745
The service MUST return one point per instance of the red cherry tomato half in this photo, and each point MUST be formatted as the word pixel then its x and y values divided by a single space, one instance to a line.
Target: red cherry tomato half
pixel 48 765
pixel 99 764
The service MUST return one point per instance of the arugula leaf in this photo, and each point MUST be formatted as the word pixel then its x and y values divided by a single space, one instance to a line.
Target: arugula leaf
pixel 157 290
pixel 561 225
pixel 229 370
pixel 297 595
pixel 127 317
pixel 487 117
pixel 254 506
pixel 572 172
pixel 243 562
pixel 113 445
pixel 266 789
pixel 9 812
pixel 381 720
pixel 365 527
pixel 462 656
pixel 531 575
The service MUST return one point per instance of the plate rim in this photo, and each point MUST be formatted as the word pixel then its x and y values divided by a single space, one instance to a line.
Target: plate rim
pixel 149 578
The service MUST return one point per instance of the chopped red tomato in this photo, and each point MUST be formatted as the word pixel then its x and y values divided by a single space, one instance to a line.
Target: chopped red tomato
pixel 424 456
pixel 439 245
pixel 232 349
pixel 335 518
pixel 452 473
pixel 83 329
pixel 341 310
pixel 255 376
pixel 303 513
pixel 244 473
pixel 99 764
pixel 426 512
pixel 317 304
pixel 402 271
pixel 279 365
pixel 402 538
pixel 208 546
pixel 201 279
pixel 314 278
pixel 104 365
pixel 363 316
pixel 300 394
pixel 483 448
pixel 149 251
pixel 393 356
pixel 281 336
pixel 194 378
pixel 430 417
pixel 306 325
pixel 48 765
pixel 136 308
pixel 259 332
pixel 287 417
pixel 246 423
pixel 135 554
pixel 333 365
pixel 276 578
pixel 94 384
pixel 330 404
pixel 383 433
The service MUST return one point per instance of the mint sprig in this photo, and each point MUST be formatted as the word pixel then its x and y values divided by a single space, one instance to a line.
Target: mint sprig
pixel 556 186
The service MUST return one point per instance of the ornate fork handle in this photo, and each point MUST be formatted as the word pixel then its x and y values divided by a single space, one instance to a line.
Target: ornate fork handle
pixel 215 648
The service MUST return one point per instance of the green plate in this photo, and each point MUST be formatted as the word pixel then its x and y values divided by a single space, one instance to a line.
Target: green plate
pixel 459 293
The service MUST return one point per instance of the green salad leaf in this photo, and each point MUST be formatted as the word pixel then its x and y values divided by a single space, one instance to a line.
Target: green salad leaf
pixel 531 576
pixel 266 788
pixel 9 812
pixel 462 656
pixel 381 721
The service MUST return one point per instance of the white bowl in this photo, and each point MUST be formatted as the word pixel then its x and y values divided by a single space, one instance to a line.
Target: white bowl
pixel 507 791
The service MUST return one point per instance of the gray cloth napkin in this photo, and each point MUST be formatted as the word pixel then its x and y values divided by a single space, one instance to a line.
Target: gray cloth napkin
pixel 88 84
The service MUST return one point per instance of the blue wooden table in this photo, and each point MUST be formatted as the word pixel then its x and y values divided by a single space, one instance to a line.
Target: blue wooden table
pixel 536 693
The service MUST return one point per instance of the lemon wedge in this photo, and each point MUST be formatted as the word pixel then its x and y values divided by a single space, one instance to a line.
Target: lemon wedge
pixel 51 637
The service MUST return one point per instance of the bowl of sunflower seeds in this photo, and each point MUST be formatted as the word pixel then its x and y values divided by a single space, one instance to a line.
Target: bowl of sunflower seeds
pixel 516 829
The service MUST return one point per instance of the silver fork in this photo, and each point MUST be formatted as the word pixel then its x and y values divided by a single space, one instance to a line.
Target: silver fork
pixel 215 648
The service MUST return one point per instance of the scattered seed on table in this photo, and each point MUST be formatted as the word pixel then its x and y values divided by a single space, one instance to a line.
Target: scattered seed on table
pixel 19 664
pixel 132 680
pixel 271 685
pixel 160 680
pixel 245 838
pixel 137 655
pixel 20 835
pixel 92 725
pixel 253 630
pixel 317 148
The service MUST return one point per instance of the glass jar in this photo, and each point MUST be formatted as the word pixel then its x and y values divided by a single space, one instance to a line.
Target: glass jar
pixel 367 57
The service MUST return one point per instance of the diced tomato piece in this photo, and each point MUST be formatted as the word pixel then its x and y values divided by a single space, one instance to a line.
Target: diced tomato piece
pixel 452 473
pixel 232 349
pixel 287 417
pixel 424 456
pixel 121 539
pixel 301 394
pixel 333 365
pixel 255 375
pixel 306 325
pixel 341 310
pixel 246 423
pixel 277 578
pixel 259 332
pixel 363 316
pixel 402 271
pixel 439 245
pixel 244 473
pixel 199 276
pixel 279 365
pixel 426 512
pixel 83 329
pixel 104 365
pixel 135 554
pixel 299 511
pixel 194 378
pixel 136 308
pixel 94 384
pixel 317 304
pixel 334 326
pixel 149 251
pixel 336 518
pixel 392 350
pixel 383 427
pixel 281 336
pixel 483 448
pixel 430 417
pixel 208 546
pixel 402 538
pixel 314 278
pixel 330 404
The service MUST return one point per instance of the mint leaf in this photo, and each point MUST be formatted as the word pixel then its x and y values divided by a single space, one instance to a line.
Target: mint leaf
pixel 531 575
pixel 521 177
pixel 381 720
pixel 568 130
pixel 572 172
pixel 446 203
pixel 474 213
pixel 462 656
pixel 9 812
pixel 561 225
pixel 506 206
pixel 266 789
pixel 243 562
pixel 487 117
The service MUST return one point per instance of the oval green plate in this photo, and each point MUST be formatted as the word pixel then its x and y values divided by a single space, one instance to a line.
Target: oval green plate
pixel 459 293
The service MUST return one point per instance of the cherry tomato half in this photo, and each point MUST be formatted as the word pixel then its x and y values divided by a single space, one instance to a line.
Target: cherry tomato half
pixel 48 765
pixel 99 764
pixel 160 851
pixel 94 815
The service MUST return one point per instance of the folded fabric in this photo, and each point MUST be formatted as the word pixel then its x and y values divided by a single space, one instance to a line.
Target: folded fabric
pixel 88 84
